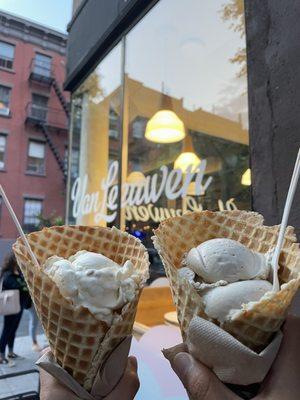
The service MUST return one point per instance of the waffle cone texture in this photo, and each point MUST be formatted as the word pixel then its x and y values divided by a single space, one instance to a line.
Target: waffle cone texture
pixel 79 342
pixel 254 325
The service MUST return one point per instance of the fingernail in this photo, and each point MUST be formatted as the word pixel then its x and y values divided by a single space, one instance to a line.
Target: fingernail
pixel 181 364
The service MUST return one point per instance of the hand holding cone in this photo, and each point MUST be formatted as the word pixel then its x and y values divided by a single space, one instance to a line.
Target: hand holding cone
pixel 254 326
pixel 79 342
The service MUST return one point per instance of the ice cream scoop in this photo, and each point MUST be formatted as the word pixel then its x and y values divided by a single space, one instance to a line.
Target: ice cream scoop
pixel 88 259
pixel 228 260
pixel 222 301
pixel 94 281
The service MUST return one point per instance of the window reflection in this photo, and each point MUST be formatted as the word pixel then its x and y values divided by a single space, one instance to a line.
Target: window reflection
pixel 185 121
pixel 187 58
pixel 96 127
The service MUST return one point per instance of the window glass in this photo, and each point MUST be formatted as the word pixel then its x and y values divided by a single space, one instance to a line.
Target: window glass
pixel 113 123
pixel 32 211
pixel 4 100
pixel 2 151
pixel 74 161
pixel 185 113
pixel 39 107
pixel 36 157
pixel 42 65
pixel 184 116
pixel 95 131
pixel 6 55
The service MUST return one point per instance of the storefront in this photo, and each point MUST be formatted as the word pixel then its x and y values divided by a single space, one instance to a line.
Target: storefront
pixel 160 123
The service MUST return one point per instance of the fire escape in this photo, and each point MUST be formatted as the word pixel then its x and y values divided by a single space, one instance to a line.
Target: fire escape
pixel 45 118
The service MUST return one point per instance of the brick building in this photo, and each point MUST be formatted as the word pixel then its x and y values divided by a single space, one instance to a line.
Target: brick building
pixel 33 122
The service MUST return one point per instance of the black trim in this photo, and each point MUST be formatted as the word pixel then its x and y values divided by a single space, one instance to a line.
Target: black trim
pixel 129 17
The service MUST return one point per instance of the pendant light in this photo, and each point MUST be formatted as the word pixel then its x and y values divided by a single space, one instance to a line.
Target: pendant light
pixel 187 157
pixel 246 178
pixel 165 126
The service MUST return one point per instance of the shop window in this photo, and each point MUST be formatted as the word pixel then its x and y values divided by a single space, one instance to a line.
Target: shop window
pixel 188 111
pixel 6 55
pixel 39 107
pixel 36 158
pixel 4 100
pixel 185 121
pixel 42 65
pixel 2 150
pixel 32 211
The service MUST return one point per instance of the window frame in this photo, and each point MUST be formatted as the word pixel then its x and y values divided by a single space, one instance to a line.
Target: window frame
pixel 26 198
pixel 44 159
pixel 3 134
pixel 7 114
pixel 37 66
pixel 12 60
pixel 39 107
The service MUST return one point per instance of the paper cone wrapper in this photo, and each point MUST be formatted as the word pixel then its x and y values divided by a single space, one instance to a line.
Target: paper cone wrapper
pixel 79 342
pixel 255 325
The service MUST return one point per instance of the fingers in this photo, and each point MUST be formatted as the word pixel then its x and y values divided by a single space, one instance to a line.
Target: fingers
pixel 199 381
pixel 52 389
pixel 113 370
pixel 128 385
pixel 172 351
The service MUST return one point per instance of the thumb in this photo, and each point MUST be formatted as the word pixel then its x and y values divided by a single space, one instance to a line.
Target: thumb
pixel 200 382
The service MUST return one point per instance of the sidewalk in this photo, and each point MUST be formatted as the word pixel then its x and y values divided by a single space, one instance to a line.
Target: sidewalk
pixel 9 387
pixel 23 383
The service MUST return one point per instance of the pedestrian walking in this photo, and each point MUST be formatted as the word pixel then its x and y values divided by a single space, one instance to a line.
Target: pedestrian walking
pixel 33 327
pixel 12 279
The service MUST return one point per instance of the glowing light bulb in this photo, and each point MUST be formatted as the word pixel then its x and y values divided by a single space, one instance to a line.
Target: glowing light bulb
pixel 165 127
pixel 184 160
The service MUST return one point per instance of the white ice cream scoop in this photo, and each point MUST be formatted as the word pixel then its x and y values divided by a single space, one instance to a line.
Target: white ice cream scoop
pixel 226 259
pixel 94 281
pixel 88 259
pixel 220 302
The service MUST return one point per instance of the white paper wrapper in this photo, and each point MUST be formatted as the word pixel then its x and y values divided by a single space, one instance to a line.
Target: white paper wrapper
pixel 230 360
pixel 106 380
pixel 48 363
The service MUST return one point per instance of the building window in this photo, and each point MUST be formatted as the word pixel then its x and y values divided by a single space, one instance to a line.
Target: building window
pixel 6 55
pixel 39 107
pixel 4 100
pixel 2 150
pixel 74 161
pixel 138 127
pixel 36 157
pixel 113 124
pixel 32 211
pixel 42 65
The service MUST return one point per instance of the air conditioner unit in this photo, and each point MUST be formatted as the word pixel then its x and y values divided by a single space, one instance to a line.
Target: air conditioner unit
pixel 4 111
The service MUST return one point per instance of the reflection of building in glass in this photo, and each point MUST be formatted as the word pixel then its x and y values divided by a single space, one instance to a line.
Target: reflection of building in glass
pixel 116 102
pixel 223 143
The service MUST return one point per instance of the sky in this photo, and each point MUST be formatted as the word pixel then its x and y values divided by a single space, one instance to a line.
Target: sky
pixel 54 13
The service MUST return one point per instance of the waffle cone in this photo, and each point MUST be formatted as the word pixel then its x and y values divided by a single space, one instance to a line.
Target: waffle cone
pixel 79 342
pixel 255 325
